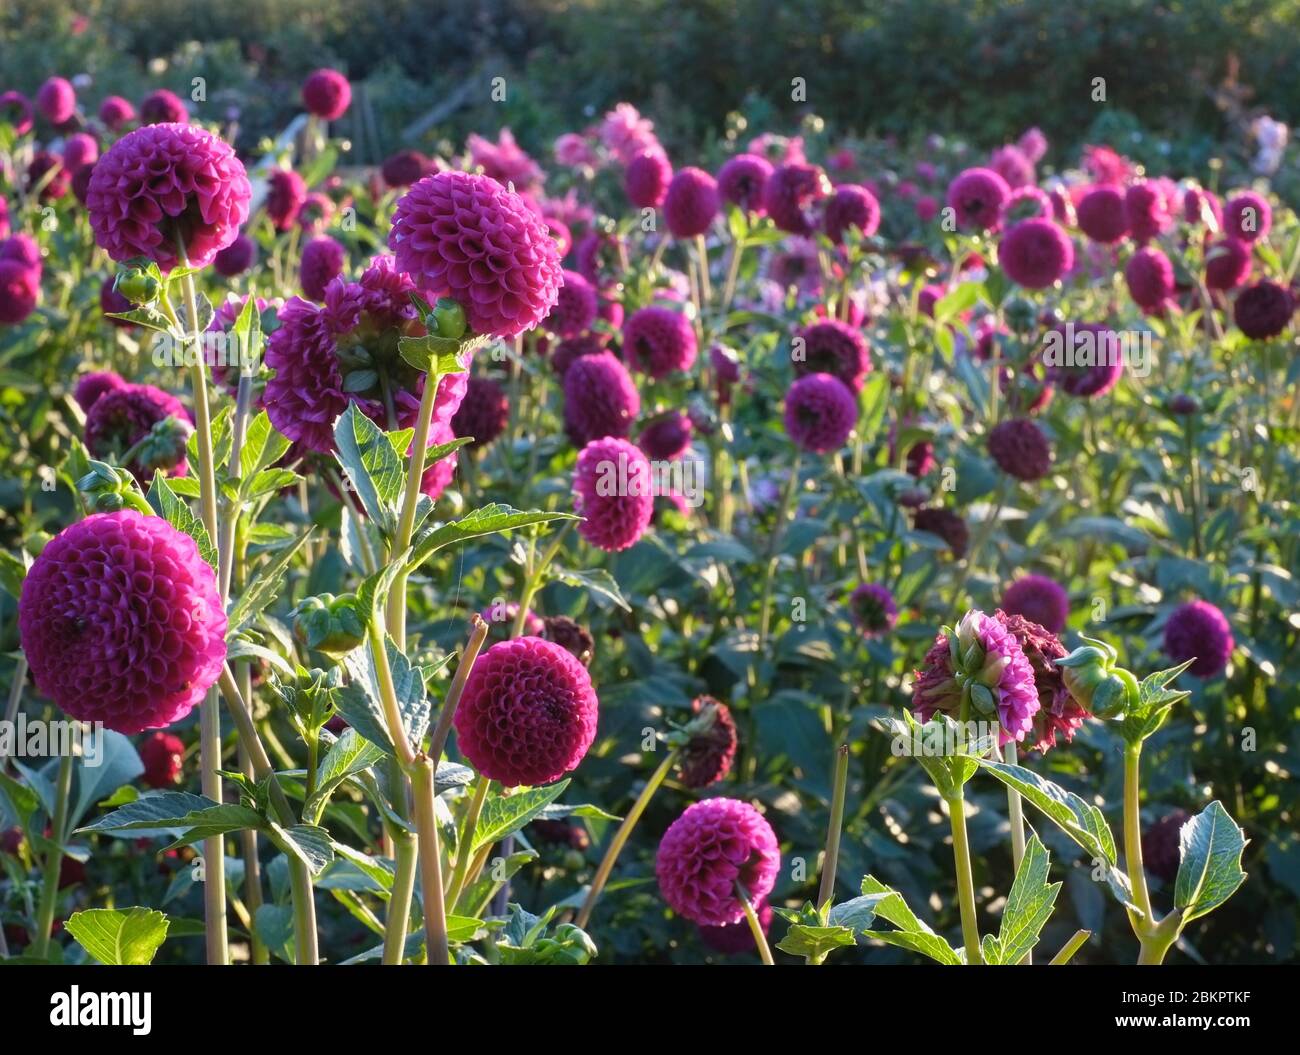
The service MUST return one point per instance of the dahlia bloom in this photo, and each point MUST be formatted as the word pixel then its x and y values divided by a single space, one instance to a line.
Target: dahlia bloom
pixel 1020 448
pixel 791 194
pixel 658 341
pixel 984 668
pixel 1150 278
pixel 1199 203
pixel 1098 360
pixel 1033 144
pixel 1200 632
pixel 836 348
pixel 690 203
pixel 56 100
pixel 820 413
pixel 600 398
pixel 527 714
pixel 327 94
pixel 404 168
pixel 121 622
pixel 667 437
pixel 1227 264
pixel 79 149
pixel 483 413
pixel 873 608
pixel 1263 311
pixel 1040 600
pixel 573 348
pixel 163 108
pixel 239 256
pixel 1247 216
pixel 646 179
pixel 165 183
pixel 285 194
pixel 16 110
pixel 504 161
pixel 574 151
pixel 316 212
pixel 93 385
pixel 116 113
pixel 131 418
pixel 597 256
pixel 1036 253
pixel 47 171
pixel 1028 203
pixel 613 490
pixel 1057 710
pixel 1013 165
pixel 571 636
pixel 1146 210
pixel 947 525
pixel 1102 216
pixel 851 206
pixel 625 133
pixel 322 262
pixel 20 290
pixel 575 307
pixel 978 196
pixel 710 746
pixel 161 754
pixel 705 852
pixel 742 181
pixel 468 238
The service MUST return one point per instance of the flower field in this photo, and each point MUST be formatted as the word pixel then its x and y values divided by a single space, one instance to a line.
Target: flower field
pixel 795 547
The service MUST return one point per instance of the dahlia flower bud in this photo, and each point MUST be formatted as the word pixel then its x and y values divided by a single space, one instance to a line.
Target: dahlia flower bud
pixel 708 743
pixel 121 622
pixel 705 852
pixel 161 754
pixel 981 667
pixel 1095 682
pixel 329 624
pixel 527 714
pixel 137 285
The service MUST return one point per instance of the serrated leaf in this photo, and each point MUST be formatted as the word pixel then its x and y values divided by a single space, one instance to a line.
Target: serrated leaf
pixel 1209 871
pixel 263 446
pixel 119 937
pixel 350 753
pixel 912 933
pixel 179 515
pixel 488 520
pixel 371 466
pixel 1029 905
pixel 309 843
pixel 805 940
pixel 408 686
pixel 594 580
pixel 505 814
pixel 263 588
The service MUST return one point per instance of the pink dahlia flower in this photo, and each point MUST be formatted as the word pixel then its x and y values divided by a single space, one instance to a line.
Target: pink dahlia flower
pixel 836 348
pixel 285 195
pixel 791 195
pixel 600 398
pixel 820 413
pixel 575 307
pixel 20 290
pixel 1020 448
pixel 1199 631
pixel 705 852
pixel 1198 203
pixel 56 100
pixel 658 341
pixel 527 714
pixel 116 113
pixel 667 437
pixel 613 490
pixel 1146 210
pixel 987 671
pixel 469 238
pixel 646 179
pixel 978 196
pixel 142 419
pixel 93 385
pixel 1013 165
pixel 1102 216
pixel 1057 710
pixel 625 133
pixel 80 149
pixel 165 184
pixel 504 161
pixel 1040 600
pixel 163 107
pixel 742 181
pixel 327 94
pixel 1227 264
pixel 1248 216
pixel 854 207
pixel 322 262
pixel 691 203
pixel 1036 253
pixel 1150 278
pixel 121 622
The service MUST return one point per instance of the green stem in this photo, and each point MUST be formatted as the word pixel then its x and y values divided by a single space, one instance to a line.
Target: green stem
pixel 306 952
pixel 1156 944
pixel 396 616
pixel 1070 948
pixel 1016 816
pixel 621 836
pixel 53 861
pixel 399 900
pixel 965 880
pixel 755 927
pixel 478 634
pixel 839 786
pixel 1133 840
pixel 778 529
pixel 466 841
pixel 426 822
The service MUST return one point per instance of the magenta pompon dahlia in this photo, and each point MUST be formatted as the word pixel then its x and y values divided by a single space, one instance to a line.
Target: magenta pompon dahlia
pixel 575 307
pixel 286 192
pixel 1021 449
pixel 20 290
pixel 1247 216
pixel 121 622
pixel 667 437
pixel 1227 264
pixel 600 398
pixel 483 413
pixel 851 207
pixel 820 413
pixel 163 107
pixel 527 714
pixel 95 384
pixel 982 666
pixel 1150 278
pixel 977 196
pixel 151 424
pixel 239 256
pixel 405 168
pixel 657 341
pixel 466 237
pixel 322 262
pixel 1036 253
pixel 161 754
pixel 836 348
pixel 646 179
pixel 56 100
pixel 116 113
pixel 792 194
pixel 947 525
pixel 1102 216
pixel 742 181
pixel 705 852
pixel 1146 210
pixel 1057 710
pixel 709 745
pixel 165 184
pixel 1264 310
pixel 1198 631
pixel 1040 600
pixel 613 491
pixel 691 202
pixel 327 94
pixel 1095 363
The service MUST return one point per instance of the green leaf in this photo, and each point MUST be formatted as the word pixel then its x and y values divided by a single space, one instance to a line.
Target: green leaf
pixel 1210 847
pixel 505 814
pixel 958 302
pixel 350 753
pixel 119 937
pixel 264 587
pixel 488 520
pixel 930 746
pixel 179 515
pixel 12 573
pixel 857 913
pixel 309 843
pixel 1080 820
pixel 118 764
pixel 162 812
pixel 146 316
pixel 263 446
pixel 912 933
pixel 408 685
pixel 370 465
pixel 1029 906
pixel 596 580
pixel 805 940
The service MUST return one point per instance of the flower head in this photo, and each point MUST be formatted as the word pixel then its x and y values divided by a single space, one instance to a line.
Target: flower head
pixel 404 168
pixel 1146 210
pixel 150 423
pixel 575 307
pixel 161 754
pixel 1020 448
pixel 613 490
pixel 1247 216
pixel 163 185
pixel 527 714
pixel 1036 253
pixel 709 743
pixel 93 385
pixel 1057 710
pixel 978 196
pixel 20 289
pixel 1150 278
pixel 121 622
pixel 327 94
pixel 947 525
pixel 1264 310
pixel 667 437
pixel 1200 632
pixel 658 341
pixel 1040 600
pixel 116 113
pixel 646 179
pixel 468 238
pixel 322 262
pixel 836 348
pixel 1095 363
pixel 873 608
pixel 820 412
pixel 16 110
pixel 483 413
pixel 56 100
pixel 742 181
pixel 791 194
pixel 239 256
pixel 1161 853
pixel 285 194
pixel 1102 216
pixel 600 398
pixel 571 636
pixel 731 939
pixel 691 202
pixel 705 852
pixel 1227 264
pixel 163 107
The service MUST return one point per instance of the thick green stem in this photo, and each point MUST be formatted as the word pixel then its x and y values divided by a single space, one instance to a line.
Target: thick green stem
pixel 306 952
pixel 465 844
pixel 1133 839
pixel 53 860
pixel 478 634
pixel 965 879
pixel 1157 943
pixel 396 607
pixel 621 836
pixel 830 864
pixel 399 900
pixel 1070 948
pixel 426 822
pixel 755 927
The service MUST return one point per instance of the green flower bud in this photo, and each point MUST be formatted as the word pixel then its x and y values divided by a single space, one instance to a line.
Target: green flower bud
pixel 1021 314
pixel 449 317
pixel 137 286
pixel 1095 681
pixel 328 624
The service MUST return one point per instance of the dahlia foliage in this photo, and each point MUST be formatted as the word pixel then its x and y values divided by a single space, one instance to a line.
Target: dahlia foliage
pixel 553 556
